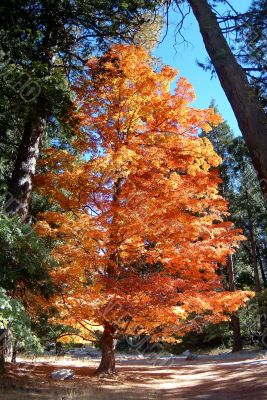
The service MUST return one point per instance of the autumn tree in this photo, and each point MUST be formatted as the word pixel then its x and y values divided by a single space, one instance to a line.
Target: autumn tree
pixel 140 233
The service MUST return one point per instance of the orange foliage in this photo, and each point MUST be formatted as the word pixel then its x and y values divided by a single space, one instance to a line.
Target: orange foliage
pixel 141 234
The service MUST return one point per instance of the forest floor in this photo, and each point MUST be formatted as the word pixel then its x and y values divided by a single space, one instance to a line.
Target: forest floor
pixel 176 378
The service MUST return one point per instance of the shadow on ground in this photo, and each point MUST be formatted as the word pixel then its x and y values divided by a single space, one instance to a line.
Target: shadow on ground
pixel 244 380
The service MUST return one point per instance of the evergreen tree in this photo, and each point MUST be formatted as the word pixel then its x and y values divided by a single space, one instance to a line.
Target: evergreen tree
pixel 43 44
pixel 247 210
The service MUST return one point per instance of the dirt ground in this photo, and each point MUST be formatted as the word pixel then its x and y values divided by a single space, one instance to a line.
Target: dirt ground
pixel 138 379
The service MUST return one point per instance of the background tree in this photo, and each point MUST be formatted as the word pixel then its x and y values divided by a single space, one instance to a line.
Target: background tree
pixel 43 44
pixel 250 42
pixel 241 95
pixel 242 74
pixel 13 315
pixel 222 137
pixel 141 230
pixel 246 204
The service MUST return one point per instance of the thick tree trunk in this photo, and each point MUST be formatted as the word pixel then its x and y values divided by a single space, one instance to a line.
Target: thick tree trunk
pixel 20 185
pixel 248 110
pixel 107 344
pixel 235 322
pixel 237 338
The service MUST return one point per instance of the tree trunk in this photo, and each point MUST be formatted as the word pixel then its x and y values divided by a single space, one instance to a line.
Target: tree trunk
pixel 262 268
pixel 14 352
pixel 248 110
pixel 20 186
pixel 237 338
pixel 58 348
pixel 107 341
pixel 107 344
pixel 253 252
pixel 3 335
pixel 235 322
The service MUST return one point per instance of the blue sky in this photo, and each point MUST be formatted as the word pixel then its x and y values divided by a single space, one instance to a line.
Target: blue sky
pixel 183 57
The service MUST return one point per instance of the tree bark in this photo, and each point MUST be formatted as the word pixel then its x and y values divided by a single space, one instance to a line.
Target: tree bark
pixel 58 348
pixel 20 185
pixel 3 336
pixel 107 344
pixel 253 252
pixel 237 338
pixel 248 110
pixel 235 322
pixel 261 268
pixel 14 353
